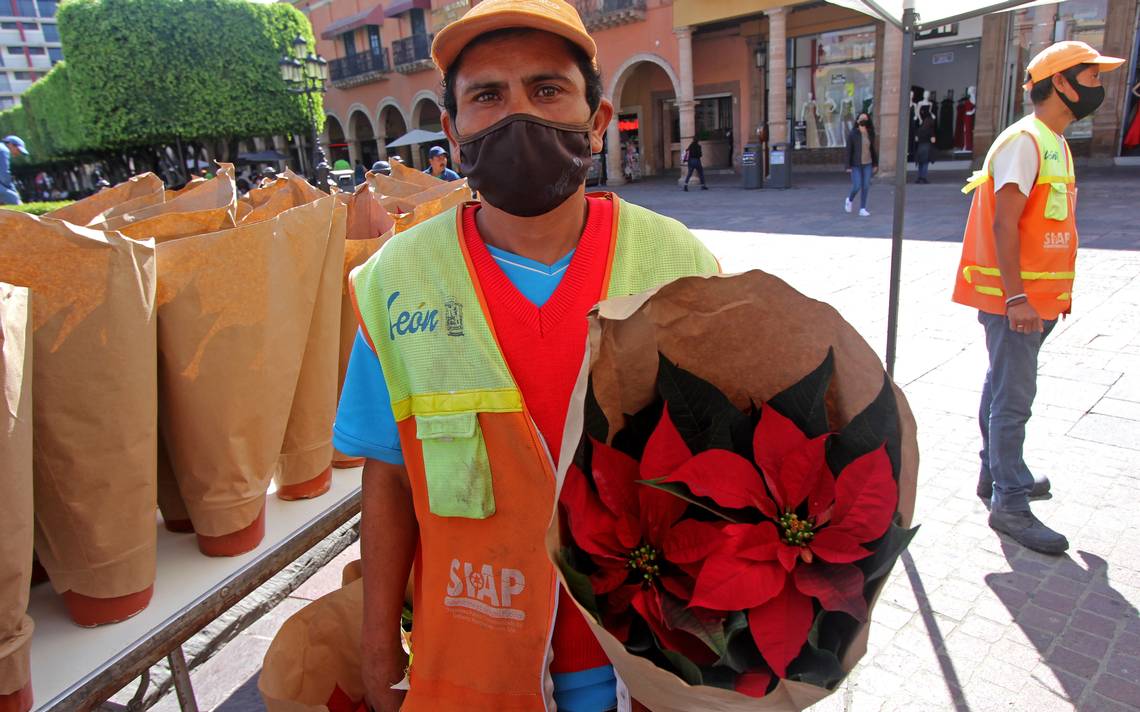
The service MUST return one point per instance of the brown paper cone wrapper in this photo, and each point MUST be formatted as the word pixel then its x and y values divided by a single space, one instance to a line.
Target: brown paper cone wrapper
pixel 303 470
pixel 94 414
pixel 17 524
pixel 136 193
pixel 752 336
pixel 207 207
pixel 317 650
pixel 407 174
pixel 283 193
pixel 234 309
pixel 426 205
pixel 175 516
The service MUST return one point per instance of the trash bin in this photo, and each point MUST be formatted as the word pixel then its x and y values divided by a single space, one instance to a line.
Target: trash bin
pixel 752 166
pixel 780 166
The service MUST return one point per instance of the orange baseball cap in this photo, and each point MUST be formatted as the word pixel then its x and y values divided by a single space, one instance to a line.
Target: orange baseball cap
pixel 1064 55
pixel 555 16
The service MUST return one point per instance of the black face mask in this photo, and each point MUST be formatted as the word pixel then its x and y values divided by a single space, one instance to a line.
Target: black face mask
pixel 525 165
pixel 1088 99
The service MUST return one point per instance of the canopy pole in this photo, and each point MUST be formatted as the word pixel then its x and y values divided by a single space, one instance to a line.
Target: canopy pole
pixel 908 24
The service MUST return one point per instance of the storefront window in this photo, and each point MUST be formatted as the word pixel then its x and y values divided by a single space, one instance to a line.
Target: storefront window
pixel 834 80
pixel 1036 28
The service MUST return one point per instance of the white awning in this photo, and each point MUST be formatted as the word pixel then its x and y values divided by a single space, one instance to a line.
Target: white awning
pixel 930 13
pixel 417 136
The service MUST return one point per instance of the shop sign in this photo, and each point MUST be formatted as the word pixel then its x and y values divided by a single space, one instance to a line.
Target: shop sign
pixel 628 124
pixel 942 58
pixel 950 30
pixel 748 158
pixel 777 158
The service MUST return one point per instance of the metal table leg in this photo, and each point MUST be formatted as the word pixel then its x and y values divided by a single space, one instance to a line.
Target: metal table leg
pixel 181 676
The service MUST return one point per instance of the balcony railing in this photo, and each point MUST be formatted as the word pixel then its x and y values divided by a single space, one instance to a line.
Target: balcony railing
pixel 600 14
pixel 359 68
pixel 411 54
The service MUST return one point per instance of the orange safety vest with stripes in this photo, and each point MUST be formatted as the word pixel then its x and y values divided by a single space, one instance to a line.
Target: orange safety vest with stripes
pixel 481 476
pixel 1047 230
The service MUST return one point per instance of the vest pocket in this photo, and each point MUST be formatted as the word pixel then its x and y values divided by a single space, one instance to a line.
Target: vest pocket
pixel 456 465
pixel 1057 204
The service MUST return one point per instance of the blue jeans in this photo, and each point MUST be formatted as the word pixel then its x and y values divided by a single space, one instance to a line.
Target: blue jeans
pixel 861 180
pixel 1007 401
pixel 923 169
pixel 695 167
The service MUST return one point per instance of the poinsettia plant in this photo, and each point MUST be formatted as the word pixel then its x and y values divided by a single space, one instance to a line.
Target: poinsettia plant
pixel 735 548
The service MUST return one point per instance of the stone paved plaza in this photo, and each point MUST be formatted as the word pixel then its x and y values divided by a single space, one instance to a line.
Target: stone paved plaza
pixel 969 621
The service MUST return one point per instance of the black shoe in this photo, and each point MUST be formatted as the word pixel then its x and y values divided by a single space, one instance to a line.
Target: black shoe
pixel 1040 489
pixel 685 188
pixel 1029 531
pixel 704 187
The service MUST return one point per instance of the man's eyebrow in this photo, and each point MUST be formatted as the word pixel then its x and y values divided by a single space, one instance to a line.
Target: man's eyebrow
pixel 484 86
pixel 545 77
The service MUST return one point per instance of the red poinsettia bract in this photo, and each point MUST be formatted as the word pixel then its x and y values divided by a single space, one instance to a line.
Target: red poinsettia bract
pixel 646 556
pixel 817 525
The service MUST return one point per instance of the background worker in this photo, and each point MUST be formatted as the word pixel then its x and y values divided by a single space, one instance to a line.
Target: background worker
pixel 1017 268
pixel 437 164
pixel 10 146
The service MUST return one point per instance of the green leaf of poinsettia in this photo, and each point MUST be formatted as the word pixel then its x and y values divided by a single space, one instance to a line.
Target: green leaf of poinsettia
pixel 886 552
pixel 578 583
pixel 816 667
pixel 704 416
pixel 678 490
pixel 595 423
pixel 678 617
pixel 741 653
pixel 687 669
pixel 805 402
pixel 877 424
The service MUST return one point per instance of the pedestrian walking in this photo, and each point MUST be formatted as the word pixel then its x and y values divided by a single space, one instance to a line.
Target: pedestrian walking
pixel 924 152
pixel 1017 268
pixel 11 145
pixel 358 173
pixel 862 162
pixel 464 318
pixel 693 155
pixel 437 164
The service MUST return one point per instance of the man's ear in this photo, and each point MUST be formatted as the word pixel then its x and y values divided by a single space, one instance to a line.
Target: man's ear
pixel 601 121
pixel 1062 86
pixel 449 130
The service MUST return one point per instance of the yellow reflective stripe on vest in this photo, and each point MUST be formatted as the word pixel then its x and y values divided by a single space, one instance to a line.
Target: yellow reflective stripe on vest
pixel 490 401
pixel 969 271
pixel 1052 168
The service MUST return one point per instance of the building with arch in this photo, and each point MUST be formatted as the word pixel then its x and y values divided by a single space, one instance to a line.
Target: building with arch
pixel 733 72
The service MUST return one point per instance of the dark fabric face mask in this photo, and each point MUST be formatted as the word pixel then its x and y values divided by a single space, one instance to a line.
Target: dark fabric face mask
pixel 525 165
pixel 1088 100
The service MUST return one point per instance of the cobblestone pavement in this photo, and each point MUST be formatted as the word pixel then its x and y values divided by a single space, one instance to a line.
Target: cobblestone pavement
pixel 969 621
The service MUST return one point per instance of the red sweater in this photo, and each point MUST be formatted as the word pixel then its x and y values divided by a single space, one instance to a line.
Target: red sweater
pixel 544 347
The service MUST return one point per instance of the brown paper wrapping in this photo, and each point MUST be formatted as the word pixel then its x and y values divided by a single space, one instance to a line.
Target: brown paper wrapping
pixel 136 193
pixel 316 650
pixel 429 203
pixel 234 309
pixel 17 525
pixel 207 207
pixel 752 336
pixel 307 451
pixel 286 191
pixel 407 174
pixel 94 415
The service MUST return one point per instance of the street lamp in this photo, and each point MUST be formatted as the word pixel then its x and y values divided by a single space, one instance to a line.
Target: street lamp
pixel 307 73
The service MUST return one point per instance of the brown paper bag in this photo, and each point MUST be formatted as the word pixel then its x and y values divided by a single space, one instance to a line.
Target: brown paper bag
pixel 16 526
pixel 138 192
pixel 407 174
pixel 304 469
pixel 751 335
pixel 286 191
pixel 190 185
pixel 429 203
pixel 234 309
pixel 316 651
pixel 216 197
pixel 388 187
pixel 94 415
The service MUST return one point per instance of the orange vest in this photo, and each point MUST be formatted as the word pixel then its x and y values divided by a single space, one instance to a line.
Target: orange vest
pixel 481 476
pixel 1047 230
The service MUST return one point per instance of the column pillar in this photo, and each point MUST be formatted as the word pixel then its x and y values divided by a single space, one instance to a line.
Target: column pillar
pixel 777 75
pixel 354 152
pixel 887 99
pixel 614 174
pixel 686 107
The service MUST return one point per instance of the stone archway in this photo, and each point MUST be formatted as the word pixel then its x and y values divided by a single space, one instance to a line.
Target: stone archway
pixel 393 123
pixel 426 115
pixel 337 142
pixel 644 91
pixel 362 138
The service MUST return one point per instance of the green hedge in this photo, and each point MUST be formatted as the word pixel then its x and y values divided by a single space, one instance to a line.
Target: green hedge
pixel 147 72
pixel 38 208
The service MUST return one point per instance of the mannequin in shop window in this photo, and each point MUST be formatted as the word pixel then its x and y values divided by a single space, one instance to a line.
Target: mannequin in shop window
pixel 944 121
pixel 964 127
pixel 831 119
pixel 925 103
pixel 809 114
pixel 847 112
pixel 1131 140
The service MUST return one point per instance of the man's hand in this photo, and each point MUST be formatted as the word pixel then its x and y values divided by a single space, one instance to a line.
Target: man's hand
pixel 848 170
pixel 388 535
pixel 1024 319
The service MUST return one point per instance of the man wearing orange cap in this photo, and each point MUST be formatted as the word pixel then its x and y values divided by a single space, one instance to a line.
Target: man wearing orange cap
pixel 1017 269
pixel 473 331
